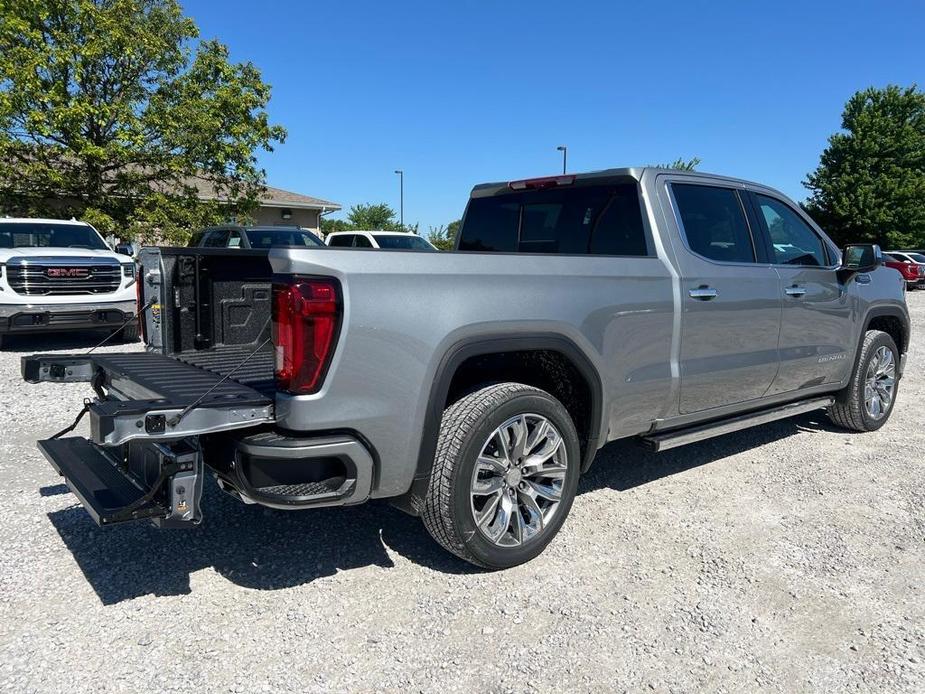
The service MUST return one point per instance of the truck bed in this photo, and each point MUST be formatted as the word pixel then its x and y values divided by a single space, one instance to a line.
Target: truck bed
pixel 212 311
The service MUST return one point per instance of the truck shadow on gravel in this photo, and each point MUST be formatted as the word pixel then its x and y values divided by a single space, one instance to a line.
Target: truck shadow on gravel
pixel 265 549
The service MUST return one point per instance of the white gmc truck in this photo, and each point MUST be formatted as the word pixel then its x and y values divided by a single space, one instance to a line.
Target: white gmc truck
pixel 58 275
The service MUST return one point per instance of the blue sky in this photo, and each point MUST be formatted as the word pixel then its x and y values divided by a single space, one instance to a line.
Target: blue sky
pixel 457 93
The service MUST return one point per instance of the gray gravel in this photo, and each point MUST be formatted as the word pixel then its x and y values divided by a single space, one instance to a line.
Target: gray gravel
pixel 785 558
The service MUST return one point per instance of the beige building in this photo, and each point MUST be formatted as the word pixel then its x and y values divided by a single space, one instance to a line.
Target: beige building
pixel 279 206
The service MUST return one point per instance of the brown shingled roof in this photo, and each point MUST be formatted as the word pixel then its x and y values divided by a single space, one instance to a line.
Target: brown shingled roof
pixel 271 197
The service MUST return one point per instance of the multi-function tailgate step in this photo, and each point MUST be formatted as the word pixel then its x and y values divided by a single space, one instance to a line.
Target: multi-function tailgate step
pixel 151 396
pixel 134 482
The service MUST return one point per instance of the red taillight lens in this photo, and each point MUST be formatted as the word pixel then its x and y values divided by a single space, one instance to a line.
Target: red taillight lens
pixel 540 183
pixel 139 303
pixel 306 318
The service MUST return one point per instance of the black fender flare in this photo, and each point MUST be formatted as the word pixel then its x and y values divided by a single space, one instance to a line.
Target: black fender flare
pixel 880 312
pixel 491 344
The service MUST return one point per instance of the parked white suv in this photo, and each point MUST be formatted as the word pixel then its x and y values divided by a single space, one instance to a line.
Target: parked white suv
pixel 58 275
pixel 401 240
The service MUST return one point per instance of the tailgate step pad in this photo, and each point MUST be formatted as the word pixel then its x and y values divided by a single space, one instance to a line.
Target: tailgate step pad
pixel 94 477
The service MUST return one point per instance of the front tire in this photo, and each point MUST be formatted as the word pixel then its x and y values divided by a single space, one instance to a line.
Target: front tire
pixel 505 475
pixel 868 400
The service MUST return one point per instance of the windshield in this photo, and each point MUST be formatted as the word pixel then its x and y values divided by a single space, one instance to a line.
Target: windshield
pixel 409 241
pixel 271 238
pixel 49 235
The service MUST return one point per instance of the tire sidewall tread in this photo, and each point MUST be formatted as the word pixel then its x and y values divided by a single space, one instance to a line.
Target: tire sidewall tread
pixel 465 426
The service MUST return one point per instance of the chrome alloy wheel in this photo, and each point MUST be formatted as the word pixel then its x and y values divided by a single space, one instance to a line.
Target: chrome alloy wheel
pixel 880 382
pixel 517 480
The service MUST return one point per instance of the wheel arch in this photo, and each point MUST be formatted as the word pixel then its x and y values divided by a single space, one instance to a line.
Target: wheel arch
pixel 891 320
pixel 486 346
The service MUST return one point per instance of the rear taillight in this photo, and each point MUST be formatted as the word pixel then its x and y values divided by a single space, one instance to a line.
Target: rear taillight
pixel 139 304
pixel 306 320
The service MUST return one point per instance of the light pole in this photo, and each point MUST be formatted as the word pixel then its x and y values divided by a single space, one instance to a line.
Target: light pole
pixel 401 198
pixel 564 150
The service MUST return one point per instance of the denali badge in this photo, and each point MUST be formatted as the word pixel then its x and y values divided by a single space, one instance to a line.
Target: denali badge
pixel 68 272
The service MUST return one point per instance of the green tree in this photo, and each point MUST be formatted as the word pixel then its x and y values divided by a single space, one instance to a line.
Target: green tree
pixel 442 238
pixel 329 225
pixel 682 164
pixel 870 182
pixel 371 216
pixel 110 110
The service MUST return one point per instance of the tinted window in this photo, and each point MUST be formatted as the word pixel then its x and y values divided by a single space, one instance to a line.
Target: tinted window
pixel 342 240
pixel 234 240
pixel 360 241
pixel 491 224
pixel 603 219
pixel 916 257
pixel 39 235
pixel 714 223
pixel 408 241
pixel 283 237
pixel 216 239
pixel 792 239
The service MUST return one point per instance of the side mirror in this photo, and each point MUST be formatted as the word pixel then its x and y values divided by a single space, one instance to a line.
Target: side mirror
pixel 860 257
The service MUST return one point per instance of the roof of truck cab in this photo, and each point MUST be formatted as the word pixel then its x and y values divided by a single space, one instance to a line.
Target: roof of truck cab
pixel 632 172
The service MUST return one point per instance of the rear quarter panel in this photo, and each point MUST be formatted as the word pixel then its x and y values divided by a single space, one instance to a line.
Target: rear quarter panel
pixel 404 311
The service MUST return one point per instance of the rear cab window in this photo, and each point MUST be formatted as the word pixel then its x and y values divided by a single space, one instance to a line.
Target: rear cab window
pixel 590 219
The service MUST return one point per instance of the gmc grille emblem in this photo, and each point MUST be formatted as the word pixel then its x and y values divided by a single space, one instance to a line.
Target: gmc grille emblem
pixel 68 272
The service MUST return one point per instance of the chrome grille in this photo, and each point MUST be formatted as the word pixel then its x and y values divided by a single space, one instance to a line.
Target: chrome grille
pixel 61 276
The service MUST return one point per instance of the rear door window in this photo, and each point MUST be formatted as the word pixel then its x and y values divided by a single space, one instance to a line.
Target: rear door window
pixel 360 241
pixel 342 240
pixel 713 222
pixel 580 220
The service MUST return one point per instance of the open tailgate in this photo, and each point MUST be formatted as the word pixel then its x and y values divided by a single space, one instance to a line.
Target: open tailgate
pixel 143 458
pixel 152 397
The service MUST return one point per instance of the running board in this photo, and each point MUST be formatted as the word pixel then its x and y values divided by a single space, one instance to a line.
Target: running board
pixel 681 437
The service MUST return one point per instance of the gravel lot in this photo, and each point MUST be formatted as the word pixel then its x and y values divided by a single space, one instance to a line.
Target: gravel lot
pixel 784 558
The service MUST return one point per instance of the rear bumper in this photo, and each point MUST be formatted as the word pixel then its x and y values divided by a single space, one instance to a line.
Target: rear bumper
pixel 285 472
pixel 30 318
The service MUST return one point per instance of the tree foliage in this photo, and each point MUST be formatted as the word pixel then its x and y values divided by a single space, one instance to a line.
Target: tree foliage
pixel 107 112
pixel 682 164
pixel 870 182
pixel 442 237
pixel 371 216
pixel 368 217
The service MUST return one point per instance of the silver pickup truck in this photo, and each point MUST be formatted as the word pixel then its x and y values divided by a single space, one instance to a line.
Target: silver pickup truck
pixel 473 387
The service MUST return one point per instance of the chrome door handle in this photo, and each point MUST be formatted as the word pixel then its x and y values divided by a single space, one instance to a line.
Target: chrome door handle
pixel 703 293
pixel 795 291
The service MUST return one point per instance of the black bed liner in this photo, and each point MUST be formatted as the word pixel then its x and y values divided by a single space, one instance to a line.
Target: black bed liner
pixel 256 372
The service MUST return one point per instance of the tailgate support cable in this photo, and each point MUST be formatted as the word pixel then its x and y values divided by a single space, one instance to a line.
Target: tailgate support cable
pixel 80 415
pixel 186 410
pixel 127 321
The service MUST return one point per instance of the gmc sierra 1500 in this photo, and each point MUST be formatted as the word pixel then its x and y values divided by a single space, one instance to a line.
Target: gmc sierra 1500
pixel 474 387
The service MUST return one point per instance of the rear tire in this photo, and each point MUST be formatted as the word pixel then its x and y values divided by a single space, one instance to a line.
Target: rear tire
pixel 504 477
pixel 867 401
pixel 129 333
